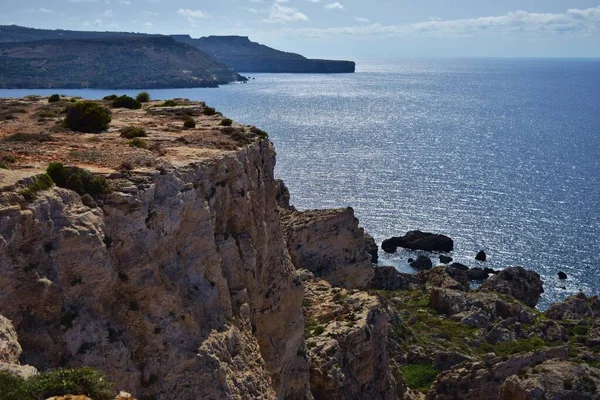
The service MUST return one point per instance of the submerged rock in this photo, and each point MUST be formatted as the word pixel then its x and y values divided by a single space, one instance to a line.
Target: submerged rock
pixel 417 240
pixel 421 263
pixel 445 259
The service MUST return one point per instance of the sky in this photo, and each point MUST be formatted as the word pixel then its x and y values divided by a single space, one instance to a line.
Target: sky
pixel 344 28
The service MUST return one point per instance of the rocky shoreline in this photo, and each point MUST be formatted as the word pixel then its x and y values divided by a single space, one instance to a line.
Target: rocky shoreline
pixel 191 276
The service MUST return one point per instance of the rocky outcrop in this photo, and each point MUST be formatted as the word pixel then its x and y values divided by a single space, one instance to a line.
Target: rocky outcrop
pixel 553 379
pixel 179 284
pixel 330 244
pixel 389 278
pixel 481 256
pixel 522 284
pixel 371 248
pixel 347 341
pixel 446 277
pixel 10 352
pixel 417 240
pixel 484 379
pixel 575 307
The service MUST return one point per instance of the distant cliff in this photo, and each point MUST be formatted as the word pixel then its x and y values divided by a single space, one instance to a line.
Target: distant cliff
pixel 108 62
pixel 246 56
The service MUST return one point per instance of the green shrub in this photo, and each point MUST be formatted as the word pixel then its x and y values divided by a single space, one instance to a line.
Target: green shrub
pixel 226 122
pixel 54 98
pixel 126 102
pixel 209 111
pixel 77 179
pixel 318 330
pixel 13 388
pixel 131 132
pixel 41 182
pixel 87 116
pixel 259 132
pixel 80 381
pixel 419 376
pixel 137 142
pixel 189 123
pixel 169 103
pixel 143 97
pixel 110 97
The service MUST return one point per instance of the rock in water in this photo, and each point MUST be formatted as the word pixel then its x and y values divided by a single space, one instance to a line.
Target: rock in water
pixel 517 282
pixel 460 266
pixel 422 263
pixel 562 275
pixel 371 248
pixel 445 259
pixel 417 240
pixel 481 256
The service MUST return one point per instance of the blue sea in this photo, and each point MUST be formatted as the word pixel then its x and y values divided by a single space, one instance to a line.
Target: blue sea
pixel 503 155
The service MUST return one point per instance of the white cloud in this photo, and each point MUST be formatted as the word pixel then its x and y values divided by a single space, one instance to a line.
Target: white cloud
pixel 192 15
pixel 107 13
pixel 334 6
pixel 281 14
pixel 126 2
pixel 251 10
pixel 362 20
pixel 574 21
pixel 45 10
pixel 83 1
pixel 148 24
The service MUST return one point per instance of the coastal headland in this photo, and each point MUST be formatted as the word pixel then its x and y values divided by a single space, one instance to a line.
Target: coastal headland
pixel 159 249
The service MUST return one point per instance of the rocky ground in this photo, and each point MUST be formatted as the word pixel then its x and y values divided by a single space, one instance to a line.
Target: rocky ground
pixel 194 277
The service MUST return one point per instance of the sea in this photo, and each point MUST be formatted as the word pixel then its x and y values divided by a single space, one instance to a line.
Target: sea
pixel 502 155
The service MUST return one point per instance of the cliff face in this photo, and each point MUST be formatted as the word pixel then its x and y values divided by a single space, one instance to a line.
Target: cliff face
pixel 109 62
pixel 178 287
pixel 246 56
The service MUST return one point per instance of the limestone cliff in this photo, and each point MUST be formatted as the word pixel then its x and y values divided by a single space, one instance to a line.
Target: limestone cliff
pixel 176 286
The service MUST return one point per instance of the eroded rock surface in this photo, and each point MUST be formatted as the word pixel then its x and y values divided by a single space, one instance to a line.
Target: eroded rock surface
pixel 522 284
pixel 330 244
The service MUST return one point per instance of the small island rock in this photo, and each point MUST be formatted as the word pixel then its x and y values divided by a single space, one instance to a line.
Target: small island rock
pixel 445 259
pixel 562 275
pixel 417 240
pixel 481 256
pixel 422 263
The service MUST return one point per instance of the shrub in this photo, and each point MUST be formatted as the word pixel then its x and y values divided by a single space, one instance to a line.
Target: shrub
pixel 13 388
pixel 77 179
pixel 419 376
pixel 136 142
pixel 87 116
pixel 189 123
pixel 143 97
pixel 84 381
pixel 209 111
pixel 131 132
pixel 110 97
pixel 41 182
pixel 226 122
pixel 54 98
pixel 259 132
pixel 169 103
pixel 126 102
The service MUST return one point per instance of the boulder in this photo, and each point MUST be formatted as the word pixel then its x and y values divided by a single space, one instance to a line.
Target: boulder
pixel 446 277
pixel 388 278
pixel 444 259
pixel 460 266
pixel 523 285
pixel 576 307
pixel 371 248
pixel 417 240
pixel 477 274
pixel 553 379
pixel 422 263
pixel 481 256
pixel 562 275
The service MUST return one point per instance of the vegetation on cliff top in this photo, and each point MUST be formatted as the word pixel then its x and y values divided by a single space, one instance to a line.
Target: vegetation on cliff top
pixel 87 117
